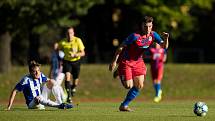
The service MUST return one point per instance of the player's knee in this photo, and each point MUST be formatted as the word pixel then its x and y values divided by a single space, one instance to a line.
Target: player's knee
pixel 50 84
pixel 139 86
pixel 68 76
pixel 37 100
pixel 128 86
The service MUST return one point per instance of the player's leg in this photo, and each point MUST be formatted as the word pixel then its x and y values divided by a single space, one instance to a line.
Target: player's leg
pixel 35 105
pixel 46 92
pixel 56 90
pixel 157 85
pixel 59 79
pixel 68 86
pixel 67 70
pixel 75 73
pixel 138 72
pixel 41 100
pixel 125 75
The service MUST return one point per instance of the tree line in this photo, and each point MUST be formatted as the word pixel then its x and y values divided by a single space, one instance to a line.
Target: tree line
pixel 29 28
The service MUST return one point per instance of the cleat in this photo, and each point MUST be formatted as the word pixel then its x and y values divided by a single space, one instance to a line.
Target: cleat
pixel 40 107
pixel 159 97
pixel 65 106
pixel 125 109
pixel 61 106
pixel 68 106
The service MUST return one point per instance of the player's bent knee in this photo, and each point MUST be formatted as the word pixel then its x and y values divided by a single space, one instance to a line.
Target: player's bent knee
pixel 37 100
pixel 127 86
pixel 139 86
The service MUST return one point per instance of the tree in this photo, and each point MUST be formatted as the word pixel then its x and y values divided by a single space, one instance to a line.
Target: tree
pixel 25 21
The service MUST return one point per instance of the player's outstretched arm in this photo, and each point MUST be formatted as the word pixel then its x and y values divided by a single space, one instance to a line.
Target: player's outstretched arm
pixel 116 56
pixel 11 99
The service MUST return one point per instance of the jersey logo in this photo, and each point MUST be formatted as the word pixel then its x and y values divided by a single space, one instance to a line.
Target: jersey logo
pixel 144 42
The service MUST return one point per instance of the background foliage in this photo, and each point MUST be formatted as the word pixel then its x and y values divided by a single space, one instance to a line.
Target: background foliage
pixel 33 26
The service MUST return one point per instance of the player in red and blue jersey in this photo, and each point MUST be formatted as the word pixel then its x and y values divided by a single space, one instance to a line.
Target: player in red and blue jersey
pixel 30 85
pixel 158 57
pixel 131 67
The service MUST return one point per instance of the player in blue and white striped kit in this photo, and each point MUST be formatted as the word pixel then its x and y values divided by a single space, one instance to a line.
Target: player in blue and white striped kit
pixel 30 85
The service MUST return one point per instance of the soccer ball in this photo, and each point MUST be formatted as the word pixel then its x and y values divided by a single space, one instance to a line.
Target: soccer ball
pixel 200 109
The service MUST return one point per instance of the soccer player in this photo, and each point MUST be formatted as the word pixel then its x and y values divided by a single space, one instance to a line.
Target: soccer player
pixel 30 85
pixel 131 67
pixel 73 48
pixel 158 57
pixel 57 75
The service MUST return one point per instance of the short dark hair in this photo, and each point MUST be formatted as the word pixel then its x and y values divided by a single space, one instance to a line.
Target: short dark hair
pixel 32 64
pixel 147 19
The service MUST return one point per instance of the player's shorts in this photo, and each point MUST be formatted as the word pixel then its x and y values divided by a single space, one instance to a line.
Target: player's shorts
pixel 72 67
pixel 130 69
pixel 157 73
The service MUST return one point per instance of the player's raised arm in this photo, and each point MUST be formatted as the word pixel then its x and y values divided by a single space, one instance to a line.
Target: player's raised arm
pixel 116 56
pixel 11 99
pixel 165 36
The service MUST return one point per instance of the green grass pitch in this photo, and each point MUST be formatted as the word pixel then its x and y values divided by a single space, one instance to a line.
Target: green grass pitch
pixel 108 111
pixel 100 95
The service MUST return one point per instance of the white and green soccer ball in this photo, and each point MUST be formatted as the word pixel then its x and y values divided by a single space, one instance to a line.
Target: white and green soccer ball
pixel 200 109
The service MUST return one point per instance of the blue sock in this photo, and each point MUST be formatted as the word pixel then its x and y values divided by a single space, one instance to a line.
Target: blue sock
pixel 132 94
pixel 157 88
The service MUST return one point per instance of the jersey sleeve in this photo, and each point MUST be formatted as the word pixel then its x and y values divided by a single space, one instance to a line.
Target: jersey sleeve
pixel 43 78
pixel 21 84
pixel 157 38
pixel 80 45
pixel 130 39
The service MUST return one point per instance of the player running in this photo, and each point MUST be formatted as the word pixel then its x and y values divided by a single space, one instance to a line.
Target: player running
pixel 73 48
pixel 131 67
pixel 158 57
pixel 30 85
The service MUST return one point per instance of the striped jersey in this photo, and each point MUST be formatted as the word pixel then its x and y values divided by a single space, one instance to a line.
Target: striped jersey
pixel 30 87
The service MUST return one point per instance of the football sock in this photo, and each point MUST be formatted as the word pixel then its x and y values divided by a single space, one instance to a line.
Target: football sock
pixel 157 87
pixel 132 94
pixel 68 89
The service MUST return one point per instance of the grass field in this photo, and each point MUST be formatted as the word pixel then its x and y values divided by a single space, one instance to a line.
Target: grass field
pixel 99 96
pixel 107 111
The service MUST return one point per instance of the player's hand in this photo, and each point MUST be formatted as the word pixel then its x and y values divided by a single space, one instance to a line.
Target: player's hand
pixel 112 66
pixel 165 35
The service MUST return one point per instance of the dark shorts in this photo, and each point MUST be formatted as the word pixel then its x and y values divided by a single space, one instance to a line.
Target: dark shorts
pixel 72 67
